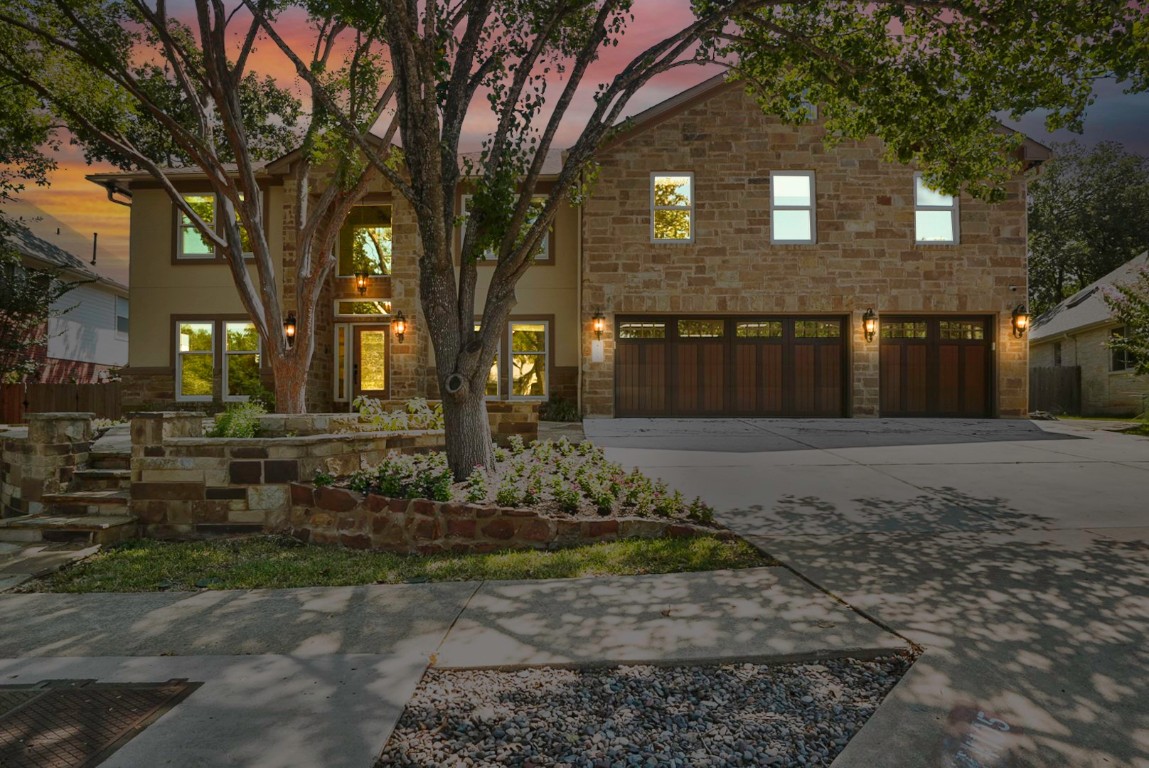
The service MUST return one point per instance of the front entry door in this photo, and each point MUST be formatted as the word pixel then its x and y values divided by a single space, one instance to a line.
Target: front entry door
pixel 369 374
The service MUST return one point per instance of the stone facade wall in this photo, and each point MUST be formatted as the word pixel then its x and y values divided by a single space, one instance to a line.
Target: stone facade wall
pixel 506 417
pixel 40 459
pixel 865 255
pixel 340 516
pixel 184 483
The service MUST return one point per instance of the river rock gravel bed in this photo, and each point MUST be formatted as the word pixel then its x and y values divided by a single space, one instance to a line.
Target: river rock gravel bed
pixel 641 716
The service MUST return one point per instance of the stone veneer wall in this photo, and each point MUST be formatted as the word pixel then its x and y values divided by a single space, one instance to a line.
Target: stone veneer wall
pixel 184 483
pixel 350 519
pixel 865 255
pixel 507 418
pixel 41 458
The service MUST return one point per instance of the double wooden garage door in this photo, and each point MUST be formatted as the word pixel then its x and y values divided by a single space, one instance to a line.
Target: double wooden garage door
pixel 761 366
pixel 797 366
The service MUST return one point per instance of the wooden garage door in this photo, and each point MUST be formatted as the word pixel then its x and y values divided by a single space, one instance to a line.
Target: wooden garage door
pixel 706 366
pixel 936 366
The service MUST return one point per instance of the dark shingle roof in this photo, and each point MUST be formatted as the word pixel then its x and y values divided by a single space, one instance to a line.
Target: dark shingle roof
pixel 1088 306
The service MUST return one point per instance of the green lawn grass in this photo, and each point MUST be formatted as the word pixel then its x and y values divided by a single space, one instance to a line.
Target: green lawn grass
pixel 274 562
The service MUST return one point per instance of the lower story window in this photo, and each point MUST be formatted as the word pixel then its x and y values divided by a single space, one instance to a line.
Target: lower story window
pixel 200 344
pixel 1121 359
pixel 529 345
pixel 195 360
pixel 241 361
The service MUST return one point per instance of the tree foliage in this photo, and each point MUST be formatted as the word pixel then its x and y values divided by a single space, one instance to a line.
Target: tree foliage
pixel 27 297
pixel 1088 215
pixel 1130 305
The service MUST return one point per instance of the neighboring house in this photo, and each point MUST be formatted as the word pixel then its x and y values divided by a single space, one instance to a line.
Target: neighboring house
pixel 732 257
pixel 1077 333
pixel 87 333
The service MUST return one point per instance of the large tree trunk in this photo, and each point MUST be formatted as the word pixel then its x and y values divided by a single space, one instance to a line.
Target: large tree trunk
pixel 467 432
pixel 290 383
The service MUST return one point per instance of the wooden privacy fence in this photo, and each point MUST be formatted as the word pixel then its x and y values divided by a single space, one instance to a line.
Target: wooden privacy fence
pixel 1056 389
pixel 18 400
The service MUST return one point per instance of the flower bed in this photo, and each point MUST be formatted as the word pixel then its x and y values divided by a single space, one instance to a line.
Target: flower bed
pixel 551 495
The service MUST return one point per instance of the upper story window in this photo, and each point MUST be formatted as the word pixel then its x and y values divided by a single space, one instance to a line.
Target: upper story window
pixel 792 216
pixel 672 207
pixel 121 317
pixel 528 358
pixel 935 214
pixel 365 241
pixel 190 242
pixel 1120 359
pixel 490 255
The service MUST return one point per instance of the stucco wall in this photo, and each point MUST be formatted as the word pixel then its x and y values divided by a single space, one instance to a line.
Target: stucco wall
pixel 865 255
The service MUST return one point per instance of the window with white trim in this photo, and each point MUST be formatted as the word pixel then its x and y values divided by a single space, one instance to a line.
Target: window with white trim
pixel 1120 358
pixel 935 215
pixel 240 361
pixel 528 346
pixel 190 242
pixel 121 317
pixel 544 251
pixel 792 215
pixel 672 207
pixel 195 360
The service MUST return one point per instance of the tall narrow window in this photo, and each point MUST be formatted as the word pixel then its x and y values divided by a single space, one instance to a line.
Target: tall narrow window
pixel 195 360
pixel 342 376
pixel 935 214
pixel 528 358
pixel 493 374
pixel 121 317
pixel 190 242
pixel 672 207
pixel 792 216
pixel 365 241
pixel 241 361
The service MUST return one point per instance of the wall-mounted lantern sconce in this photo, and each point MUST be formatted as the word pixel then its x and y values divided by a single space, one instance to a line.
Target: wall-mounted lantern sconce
pixel 869 324
pixel 400 326
pixel 289 328
pixel 598 322
pixel 1020 317
pixel 361 282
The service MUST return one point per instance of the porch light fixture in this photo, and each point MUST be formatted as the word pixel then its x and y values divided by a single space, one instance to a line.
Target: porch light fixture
pixel 361 282
pixel 1020 318
pixel 598 322
pixel 289 328
pixel 400 326
pixel 869 324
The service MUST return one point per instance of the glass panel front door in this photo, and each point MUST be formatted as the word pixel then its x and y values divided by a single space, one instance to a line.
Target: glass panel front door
pixel 369 364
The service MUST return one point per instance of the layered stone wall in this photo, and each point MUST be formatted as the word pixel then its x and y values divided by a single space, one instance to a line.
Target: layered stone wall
pixel 350 519
pixel 864 255
pixel 184 483
pixel 39 459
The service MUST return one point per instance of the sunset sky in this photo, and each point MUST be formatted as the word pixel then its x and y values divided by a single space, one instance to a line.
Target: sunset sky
pixel 78 208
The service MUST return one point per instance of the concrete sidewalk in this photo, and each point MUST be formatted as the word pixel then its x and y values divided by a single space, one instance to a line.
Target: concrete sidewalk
pixel 312 677
pixel 1016 554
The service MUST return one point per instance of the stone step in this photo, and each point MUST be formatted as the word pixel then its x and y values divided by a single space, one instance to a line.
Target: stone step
pixel 101 479
pixel 93 529
pixel 98 460
pixel 77 503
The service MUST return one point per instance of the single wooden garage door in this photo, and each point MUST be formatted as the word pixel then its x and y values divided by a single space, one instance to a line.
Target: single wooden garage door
pixel 705 366
pixel 936 366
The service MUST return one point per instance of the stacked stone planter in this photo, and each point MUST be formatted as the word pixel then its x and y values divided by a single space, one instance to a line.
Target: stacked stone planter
pixel 350 519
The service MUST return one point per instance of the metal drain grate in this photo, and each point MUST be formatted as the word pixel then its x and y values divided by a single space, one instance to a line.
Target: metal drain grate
pixel 78 723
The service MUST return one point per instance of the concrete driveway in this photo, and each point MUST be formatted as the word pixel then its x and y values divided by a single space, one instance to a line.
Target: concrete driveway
pixel 1016 554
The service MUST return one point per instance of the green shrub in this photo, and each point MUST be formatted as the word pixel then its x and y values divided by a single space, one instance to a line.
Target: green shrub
pixel 239 420
pixel 559 409
pixel 425 476
pixel 417 414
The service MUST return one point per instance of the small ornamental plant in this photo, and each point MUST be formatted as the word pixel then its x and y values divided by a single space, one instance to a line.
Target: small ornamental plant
pixel 560 478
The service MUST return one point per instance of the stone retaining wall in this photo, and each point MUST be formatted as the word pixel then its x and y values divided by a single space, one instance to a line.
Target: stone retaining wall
pixel 184 483
pixel 350 519
pixel 40 459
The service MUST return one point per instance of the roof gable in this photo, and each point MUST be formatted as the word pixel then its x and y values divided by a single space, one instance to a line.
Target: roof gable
pixel 1087 307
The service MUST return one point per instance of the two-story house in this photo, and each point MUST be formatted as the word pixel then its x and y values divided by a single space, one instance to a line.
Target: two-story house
pixel 725 264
